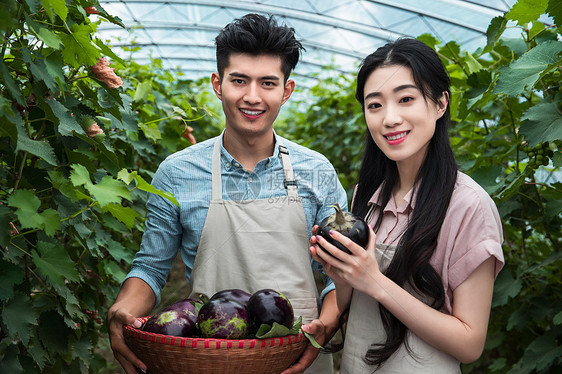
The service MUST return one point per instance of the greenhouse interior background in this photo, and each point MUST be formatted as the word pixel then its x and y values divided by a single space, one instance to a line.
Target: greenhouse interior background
pixel 95 94
pixel 335 33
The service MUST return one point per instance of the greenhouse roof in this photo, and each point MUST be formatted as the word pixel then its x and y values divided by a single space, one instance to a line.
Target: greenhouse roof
pixel 338 33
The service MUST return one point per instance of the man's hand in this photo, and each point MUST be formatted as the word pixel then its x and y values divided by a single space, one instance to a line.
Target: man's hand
pixel 135 299
pixel 115 321
pixel 316 328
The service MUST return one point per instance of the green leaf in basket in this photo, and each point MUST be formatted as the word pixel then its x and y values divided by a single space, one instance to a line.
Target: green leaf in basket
pixel 277 330
pixel 296 326
pixel 267 331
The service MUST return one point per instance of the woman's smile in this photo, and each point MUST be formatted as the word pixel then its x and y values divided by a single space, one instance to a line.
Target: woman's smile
pixel 396 137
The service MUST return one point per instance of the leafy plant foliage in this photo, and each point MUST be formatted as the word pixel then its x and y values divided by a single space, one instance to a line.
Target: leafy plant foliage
pixel 77 155
pixel 78 151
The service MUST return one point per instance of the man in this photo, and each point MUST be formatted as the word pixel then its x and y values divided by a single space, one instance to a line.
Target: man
pixel 248 199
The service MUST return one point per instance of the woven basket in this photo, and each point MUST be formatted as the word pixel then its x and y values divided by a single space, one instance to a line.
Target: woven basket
pixel 164 354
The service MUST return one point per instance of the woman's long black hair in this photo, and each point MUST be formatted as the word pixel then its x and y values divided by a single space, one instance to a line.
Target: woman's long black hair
pixel 437 176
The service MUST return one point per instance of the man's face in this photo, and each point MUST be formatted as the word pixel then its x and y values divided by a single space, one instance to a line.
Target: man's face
pixel 252 91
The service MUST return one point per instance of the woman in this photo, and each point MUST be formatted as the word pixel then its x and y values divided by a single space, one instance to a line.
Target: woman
pixel 419 296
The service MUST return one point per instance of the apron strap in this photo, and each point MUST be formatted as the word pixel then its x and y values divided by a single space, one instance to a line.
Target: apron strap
pixel 216 171
pixel 289 182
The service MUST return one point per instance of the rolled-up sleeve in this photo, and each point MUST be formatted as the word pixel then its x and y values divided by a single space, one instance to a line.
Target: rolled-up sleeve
pixel 162 237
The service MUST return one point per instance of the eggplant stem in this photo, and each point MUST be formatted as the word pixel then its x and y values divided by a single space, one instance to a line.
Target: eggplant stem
pixel 340 217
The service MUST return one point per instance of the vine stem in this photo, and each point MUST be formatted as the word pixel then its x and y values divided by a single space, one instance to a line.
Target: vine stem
pixel 80 211
pixel 62 220
pixel 20 171
pixel 543 185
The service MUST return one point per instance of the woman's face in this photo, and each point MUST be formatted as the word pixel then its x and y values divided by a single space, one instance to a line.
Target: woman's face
pixel 401 121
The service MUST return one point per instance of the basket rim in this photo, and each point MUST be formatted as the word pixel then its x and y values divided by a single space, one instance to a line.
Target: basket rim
pixel 209 343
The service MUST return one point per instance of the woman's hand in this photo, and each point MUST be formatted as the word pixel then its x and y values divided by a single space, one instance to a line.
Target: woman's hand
pixel 358 270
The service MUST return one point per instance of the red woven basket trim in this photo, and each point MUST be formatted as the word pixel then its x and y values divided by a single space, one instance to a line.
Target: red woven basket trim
pixel 208 342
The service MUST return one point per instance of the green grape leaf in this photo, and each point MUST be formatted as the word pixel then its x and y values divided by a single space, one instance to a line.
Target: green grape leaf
pixel 54 66
pixel 53 333
pixel 10 275
pixel 472 63
pixel 9 362
pixel 525 72
pixel 113 19
pixel 117 251
pixel 541 122
pixel 44 34
pixel 143 91
pixel 79 176
pixel 505 287
pixel 27 205
pixel 62 184
pixel 11 84
pixel 8 10
pixel 71 303
pixel 39 355
pixel 537 28
pixel 41 149
pixel 112 268
pixel 81 349
pixel 526 11
pixel 151 131
pixel 554 9
pixel 495 29
pixel 101 145
pixel 40 71
pixel 50 221
pixel 5 227
pixel 55 7
pixel 124 214
pixel 143 185
pixel 67 122
pixel 109 190
pixel 18 317
pixel 54 263
pixel 79 48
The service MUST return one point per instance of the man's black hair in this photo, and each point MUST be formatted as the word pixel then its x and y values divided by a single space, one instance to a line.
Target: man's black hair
pixel 256 34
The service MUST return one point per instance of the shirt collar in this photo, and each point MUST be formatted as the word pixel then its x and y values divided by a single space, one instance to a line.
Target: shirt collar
pixel 391 205
pixel 229 162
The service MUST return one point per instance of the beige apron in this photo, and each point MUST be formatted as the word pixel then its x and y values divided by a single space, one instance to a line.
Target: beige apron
pixel 257 244
pixel 365 327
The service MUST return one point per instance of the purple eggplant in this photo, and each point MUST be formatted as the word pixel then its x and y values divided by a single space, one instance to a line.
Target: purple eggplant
pixel 346 223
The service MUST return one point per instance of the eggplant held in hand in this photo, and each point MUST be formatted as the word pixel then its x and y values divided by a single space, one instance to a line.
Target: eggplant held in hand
pixel 347 224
